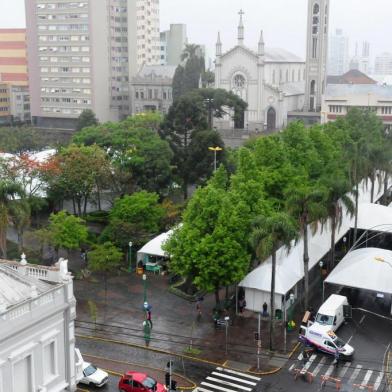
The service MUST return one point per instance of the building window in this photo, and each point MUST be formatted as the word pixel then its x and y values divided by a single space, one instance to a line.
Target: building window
pixel 24 371
pixel 273 77
pixel 287 75
pixel 312 87
pixel 386 110
pixel 335 108
pixel 49 361
pixel 137 94
pixel 314 48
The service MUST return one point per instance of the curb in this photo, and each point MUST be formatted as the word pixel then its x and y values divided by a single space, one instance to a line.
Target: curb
pixel 193 384
pixel 388 376
pixel 162 351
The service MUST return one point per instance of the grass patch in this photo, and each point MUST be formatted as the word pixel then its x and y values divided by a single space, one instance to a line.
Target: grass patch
pixel 192 351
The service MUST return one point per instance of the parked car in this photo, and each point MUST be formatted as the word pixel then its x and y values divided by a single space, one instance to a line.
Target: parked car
pixel 93 376
pixel 139 382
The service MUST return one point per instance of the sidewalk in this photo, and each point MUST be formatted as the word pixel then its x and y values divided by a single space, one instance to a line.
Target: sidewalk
pixel 388 370
pixel 176 327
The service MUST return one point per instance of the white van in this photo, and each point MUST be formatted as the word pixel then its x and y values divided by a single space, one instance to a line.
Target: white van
pixel 331 312
pixel 325 340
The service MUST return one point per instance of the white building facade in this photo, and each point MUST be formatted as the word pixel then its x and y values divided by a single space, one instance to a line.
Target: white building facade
pixel 173 43
pixel 383 64
pixel 151 89
pixel 271 81
pixel 340 98
pixel 37 343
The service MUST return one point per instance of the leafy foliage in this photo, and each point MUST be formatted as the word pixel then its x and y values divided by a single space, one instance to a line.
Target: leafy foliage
pixel 86 119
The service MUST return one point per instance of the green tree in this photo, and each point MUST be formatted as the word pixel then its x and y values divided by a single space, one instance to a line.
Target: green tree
pixel 178 83
pixel 134 218
pixel 19 140
pixel 20 211
pixel 66 231
pixel 269 234
pixel 8 192
pixel 307 204
pixel 86 119
pixel 210 246
pixel 105 258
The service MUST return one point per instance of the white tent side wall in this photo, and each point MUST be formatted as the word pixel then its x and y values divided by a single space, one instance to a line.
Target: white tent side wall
pixel 256 298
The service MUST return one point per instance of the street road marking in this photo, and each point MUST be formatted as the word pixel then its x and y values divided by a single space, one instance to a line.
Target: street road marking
pixel 217 387
pixel 344 370
pixel 234 378
pixel 363 318
pixel 300 357
pixel 229 384
pixel 203 390
pixel 349 340
pixel 355 374
pixel 238 373
pixel 291 367
pixel 309 363
pixel 319 366
pixel 329 370
pixel 378 381
pixel 367 377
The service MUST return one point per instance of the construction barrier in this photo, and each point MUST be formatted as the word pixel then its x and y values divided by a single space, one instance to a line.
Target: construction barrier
pixel 308 376
pixel 336 381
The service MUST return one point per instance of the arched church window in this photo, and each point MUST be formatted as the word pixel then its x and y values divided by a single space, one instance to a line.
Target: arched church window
pixel 326 20
pixel 280 76
pixel 312 87
pixel 239 86
pixel 273 77
pixel 239 82
pixel 314 48
pixel 316 9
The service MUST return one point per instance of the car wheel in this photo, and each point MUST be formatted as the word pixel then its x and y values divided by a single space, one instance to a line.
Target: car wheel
pixel 91 384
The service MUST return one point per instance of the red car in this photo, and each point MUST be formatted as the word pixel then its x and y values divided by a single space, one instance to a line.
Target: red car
pixel 139 382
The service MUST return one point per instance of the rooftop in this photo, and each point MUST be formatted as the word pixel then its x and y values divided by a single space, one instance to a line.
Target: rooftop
pixel 351 77
pixel 156 71
pixel 340 90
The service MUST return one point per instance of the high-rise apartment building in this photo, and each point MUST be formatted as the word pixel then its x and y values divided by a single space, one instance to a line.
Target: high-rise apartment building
pixel 338 57
pixel 383 64
pixel 361 61
pixel 13 62
pixel 81 55
pixel 173 42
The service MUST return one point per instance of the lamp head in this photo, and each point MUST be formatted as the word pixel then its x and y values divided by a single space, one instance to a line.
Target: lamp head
pixel 144 276
pixel 321 264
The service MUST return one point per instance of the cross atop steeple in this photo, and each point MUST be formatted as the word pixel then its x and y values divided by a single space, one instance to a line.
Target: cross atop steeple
pixel 241 29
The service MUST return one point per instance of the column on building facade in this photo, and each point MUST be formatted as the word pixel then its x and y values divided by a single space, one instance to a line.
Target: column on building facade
pixel 260 78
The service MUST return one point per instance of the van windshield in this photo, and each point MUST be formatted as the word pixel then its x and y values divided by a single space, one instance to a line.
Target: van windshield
pixel 339 343
pixel 324 319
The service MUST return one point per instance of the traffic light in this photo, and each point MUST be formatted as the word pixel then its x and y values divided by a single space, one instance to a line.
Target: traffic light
pixel 167 379
pixel 257 336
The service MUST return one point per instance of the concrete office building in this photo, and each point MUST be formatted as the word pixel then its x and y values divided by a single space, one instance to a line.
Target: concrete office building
pixel 338 57
pixel 13 62
pixel 37 342
pixel 173 42
pixel 383 64
pixel 81 55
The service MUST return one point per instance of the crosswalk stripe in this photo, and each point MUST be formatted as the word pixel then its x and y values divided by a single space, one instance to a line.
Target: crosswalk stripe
pixel 367 377
pixel 300 357
pixel 203 390
pixel 309 363
pixel 378 381
pixel 291 367
pixel 238 373
pixel 229 384
pixel 329 370
pixel 344 370
pixel 234 378
pixel 318 367
pixel 217 387
pixel 355 374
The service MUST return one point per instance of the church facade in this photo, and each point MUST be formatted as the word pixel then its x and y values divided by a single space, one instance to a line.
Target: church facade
pixel 271 81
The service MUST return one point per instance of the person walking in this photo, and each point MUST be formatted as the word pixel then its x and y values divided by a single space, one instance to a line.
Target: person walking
pixel 265 309
pixel 148 317
pixel 337 354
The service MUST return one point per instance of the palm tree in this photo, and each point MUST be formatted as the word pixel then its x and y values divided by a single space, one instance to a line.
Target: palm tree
pixel 190 51
pixel 8 191
pixel 338 188
pixel 307 204
pixel 268 235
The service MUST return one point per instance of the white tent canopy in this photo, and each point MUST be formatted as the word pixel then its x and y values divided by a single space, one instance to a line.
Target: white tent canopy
pixel 154 247
pixel 361 269
pixel 289 265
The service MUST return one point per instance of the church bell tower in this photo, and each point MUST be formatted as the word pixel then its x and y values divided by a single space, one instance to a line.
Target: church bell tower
pixel 316 54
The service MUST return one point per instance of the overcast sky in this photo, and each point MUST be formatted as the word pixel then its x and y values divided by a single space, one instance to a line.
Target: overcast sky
pixel 283 21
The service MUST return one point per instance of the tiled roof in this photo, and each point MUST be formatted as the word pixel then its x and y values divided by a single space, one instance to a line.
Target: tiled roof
pixel 337 90
pixel 351 77
pixel 159 71
pixel 277 55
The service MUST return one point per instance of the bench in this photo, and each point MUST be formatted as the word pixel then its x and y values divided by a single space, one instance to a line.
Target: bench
pixel 156 268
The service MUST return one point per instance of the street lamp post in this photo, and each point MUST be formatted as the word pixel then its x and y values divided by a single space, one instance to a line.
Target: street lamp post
pixel 227 319
pixel 215 149
pixel 321 264
pixel 130 257
pixel 144 288
pixel 291 306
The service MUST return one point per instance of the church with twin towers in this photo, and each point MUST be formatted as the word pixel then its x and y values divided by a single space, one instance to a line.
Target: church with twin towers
pixel 277 85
